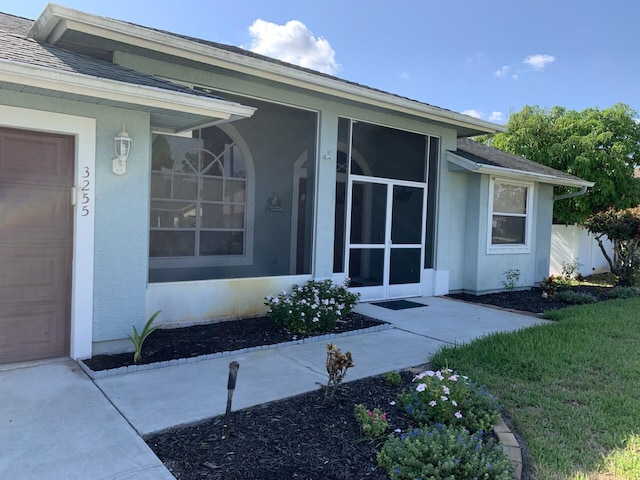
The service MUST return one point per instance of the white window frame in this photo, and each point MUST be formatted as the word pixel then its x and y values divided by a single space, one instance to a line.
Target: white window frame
pixel 510 248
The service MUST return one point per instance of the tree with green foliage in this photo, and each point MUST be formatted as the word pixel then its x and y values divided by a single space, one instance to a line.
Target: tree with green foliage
pixel 622 227
pixel 602 146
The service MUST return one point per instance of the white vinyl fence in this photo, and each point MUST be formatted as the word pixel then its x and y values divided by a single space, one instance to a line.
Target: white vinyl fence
pixel 572 242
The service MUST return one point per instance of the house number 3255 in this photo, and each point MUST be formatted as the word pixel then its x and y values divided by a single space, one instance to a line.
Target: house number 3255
pixel 85 188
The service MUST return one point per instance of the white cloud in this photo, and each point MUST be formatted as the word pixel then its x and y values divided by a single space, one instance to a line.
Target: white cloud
pixel 514 76
pixel 293 43
pixel 403 74
pixel 502 72
pixel 473 113
pixel 539 61
pixel 496 117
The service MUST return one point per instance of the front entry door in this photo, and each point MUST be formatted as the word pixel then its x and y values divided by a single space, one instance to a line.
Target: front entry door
pixel 36 176
pixel 386 238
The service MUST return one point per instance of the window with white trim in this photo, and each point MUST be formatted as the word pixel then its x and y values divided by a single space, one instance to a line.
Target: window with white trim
pixel 510 216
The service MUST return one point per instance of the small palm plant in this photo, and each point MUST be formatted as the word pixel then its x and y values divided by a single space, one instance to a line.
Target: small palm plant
pixel 139 338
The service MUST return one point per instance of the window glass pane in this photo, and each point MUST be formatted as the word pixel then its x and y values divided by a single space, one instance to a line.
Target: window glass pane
pixel 234 191
pixel 339 226
pixel 211 165
pixel 222 216
pixel 221 243
pixel 367 198
pixel 166 243
pixel 160 185
pixel 509 198
pixel 234 162
pixel 366 267
pixel 508 230
pixel 432 190
pixel 388 152
pixel 211 189
pixel 167 214
pixel 406 219
pixel 185 187
pixel 405 266
pixel 187 163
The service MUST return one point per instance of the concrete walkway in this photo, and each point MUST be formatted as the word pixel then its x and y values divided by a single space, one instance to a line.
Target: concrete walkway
pixel 57 423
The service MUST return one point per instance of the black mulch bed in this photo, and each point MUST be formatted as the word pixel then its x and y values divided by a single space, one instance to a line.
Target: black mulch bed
pixel 527 300
pixel 298 438
pixel 186 342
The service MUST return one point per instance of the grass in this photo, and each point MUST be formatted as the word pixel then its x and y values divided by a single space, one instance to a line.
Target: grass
pixel 570 387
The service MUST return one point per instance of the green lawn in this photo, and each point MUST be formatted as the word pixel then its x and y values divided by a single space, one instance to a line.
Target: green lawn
pixel 571 387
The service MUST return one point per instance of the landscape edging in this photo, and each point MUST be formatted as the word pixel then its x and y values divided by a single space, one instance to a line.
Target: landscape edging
pixel 95 375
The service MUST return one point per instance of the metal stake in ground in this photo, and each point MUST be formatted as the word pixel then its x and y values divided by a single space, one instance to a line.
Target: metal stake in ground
pixel 231 386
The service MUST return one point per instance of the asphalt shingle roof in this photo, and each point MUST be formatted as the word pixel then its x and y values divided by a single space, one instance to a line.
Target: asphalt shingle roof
pixel 480 153
pixel 16 47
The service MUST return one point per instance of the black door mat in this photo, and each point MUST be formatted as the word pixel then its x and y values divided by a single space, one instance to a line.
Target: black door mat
pixel 399 304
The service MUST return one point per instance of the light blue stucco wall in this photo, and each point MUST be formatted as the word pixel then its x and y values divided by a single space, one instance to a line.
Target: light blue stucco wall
pixel 121 229
pixel 480 272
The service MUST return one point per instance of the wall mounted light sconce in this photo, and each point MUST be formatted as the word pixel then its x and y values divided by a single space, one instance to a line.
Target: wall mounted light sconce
pixel 328 156
pixel 123 147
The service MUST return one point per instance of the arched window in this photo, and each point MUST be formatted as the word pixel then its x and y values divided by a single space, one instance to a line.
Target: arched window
pixel 200 194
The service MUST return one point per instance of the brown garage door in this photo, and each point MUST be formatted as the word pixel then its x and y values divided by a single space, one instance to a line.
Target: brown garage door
pixel 36 176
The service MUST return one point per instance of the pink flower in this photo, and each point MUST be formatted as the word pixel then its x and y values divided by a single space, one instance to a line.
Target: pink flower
pixel 445 389
pixel 443 398
pixel 458 415
pixel 421 387
pixel 454 403
pixel 432 403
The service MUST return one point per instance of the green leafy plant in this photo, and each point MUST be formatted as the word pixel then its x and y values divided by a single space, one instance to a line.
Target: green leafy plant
pixel 623 292
pixel 337 365
pixel 443 452
pixel 569 268
pixel 392 378
pixel 512 277
pixel 549 286
pixel 373 423
pixel 314 307
pixel 576 298
pixel 139 338
pixel 446 397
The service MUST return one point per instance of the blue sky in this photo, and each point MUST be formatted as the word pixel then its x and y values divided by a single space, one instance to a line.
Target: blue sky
pixel 487 59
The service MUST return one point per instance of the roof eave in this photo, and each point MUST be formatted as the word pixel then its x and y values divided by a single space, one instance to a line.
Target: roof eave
pixel 475 167
pixel 55 20
pixel 100 88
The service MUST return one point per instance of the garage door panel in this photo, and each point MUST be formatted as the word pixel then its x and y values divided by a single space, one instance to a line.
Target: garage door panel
pixel 34 213
pixel 39 158
pixel 32 332
pixel 33 272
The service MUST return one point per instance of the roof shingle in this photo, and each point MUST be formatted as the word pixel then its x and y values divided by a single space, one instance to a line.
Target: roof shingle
pixel 482 154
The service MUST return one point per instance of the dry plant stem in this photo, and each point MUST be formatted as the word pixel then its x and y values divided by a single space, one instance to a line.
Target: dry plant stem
pixel 337 365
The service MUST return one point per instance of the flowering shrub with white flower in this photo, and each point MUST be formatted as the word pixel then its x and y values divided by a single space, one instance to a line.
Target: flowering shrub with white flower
pixel 314 307
pixel 445 397
pixel 443 452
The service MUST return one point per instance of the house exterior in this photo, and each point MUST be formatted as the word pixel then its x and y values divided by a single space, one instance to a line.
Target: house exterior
pixel 245 175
